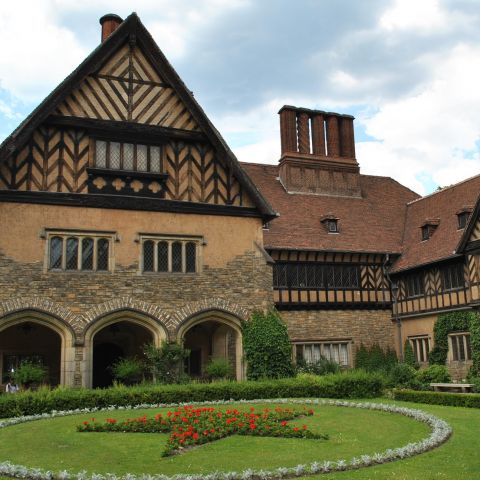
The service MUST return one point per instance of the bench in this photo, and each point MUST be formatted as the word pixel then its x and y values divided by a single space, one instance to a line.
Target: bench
pixel 453 387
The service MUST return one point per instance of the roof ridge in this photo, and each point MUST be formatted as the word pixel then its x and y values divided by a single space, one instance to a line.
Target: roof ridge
pixel 444 189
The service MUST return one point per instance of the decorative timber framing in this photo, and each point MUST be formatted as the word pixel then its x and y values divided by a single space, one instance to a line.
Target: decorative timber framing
pixel 142 83
pixel 437 292
pixel 365 288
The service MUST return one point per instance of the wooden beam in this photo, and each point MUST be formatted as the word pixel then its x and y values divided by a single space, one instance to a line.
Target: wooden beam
pixel 126 131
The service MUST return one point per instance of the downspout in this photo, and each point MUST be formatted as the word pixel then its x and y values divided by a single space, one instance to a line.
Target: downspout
pixel 394 292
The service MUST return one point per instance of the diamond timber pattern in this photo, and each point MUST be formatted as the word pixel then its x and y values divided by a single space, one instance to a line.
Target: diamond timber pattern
pixel 128 88
pixel 475 232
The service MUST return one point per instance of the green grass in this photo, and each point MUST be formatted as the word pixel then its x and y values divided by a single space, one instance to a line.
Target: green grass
pixel 54 444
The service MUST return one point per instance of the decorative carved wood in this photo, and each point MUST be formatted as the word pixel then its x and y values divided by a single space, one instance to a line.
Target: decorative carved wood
pixel 128 88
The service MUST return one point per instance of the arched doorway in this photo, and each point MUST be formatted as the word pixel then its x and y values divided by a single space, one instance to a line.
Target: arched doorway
pixel 28 340
pixel 210 336
pixel 114 341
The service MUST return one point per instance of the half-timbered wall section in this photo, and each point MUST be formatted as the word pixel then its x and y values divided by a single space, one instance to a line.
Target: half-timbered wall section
pixel 307 279
pixel 443 286
pixel 63 160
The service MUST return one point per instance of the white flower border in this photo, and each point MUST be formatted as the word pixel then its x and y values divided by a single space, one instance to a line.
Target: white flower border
pixel 440 433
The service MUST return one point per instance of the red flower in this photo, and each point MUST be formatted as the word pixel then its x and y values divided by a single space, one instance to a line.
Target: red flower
pixel 253 426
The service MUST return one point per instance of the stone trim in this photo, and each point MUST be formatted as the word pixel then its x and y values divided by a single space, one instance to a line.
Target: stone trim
pixel 206 304
pixel 43 305
pixel 125 303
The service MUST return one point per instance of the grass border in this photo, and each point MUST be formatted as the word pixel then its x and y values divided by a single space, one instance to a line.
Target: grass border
pixel 440 432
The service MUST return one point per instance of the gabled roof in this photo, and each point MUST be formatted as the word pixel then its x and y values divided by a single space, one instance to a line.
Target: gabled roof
pixel 472 222
pixel 372 223
pixel 447 240
pixel 132 28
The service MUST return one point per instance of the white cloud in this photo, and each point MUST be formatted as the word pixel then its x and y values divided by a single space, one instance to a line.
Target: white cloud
pixel 421 15
pixel 434 131
pixel 37 53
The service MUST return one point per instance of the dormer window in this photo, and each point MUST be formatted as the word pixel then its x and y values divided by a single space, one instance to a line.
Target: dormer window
pixel 330 223
pixel 462 217
pixel 429 227
pixel 332 226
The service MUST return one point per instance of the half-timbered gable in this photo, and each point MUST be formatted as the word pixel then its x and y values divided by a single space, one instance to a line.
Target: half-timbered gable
pixel 124 124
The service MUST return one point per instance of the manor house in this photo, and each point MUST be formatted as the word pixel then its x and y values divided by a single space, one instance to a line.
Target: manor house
pixel 126 219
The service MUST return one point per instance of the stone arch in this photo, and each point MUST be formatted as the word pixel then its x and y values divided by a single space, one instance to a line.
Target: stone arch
pixel 225 319
pixel 206 305
pixel 58 325
pixel 40 304
pixel 128 315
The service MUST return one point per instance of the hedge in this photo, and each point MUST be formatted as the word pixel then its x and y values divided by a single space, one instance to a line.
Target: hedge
pixel 342 385
pixel 469 400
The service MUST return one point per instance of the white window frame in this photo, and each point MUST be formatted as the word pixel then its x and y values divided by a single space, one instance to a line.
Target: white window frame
pixel 423 343
pixel 79 235
pixel 323 345
pixel 170 240
pixel 458 337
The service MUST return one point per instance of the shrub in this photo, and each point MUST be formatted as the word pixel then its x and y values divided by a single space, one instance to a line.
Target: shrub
pixel 323 366
pixel 165 363
pixel 354 384
pixel 408 355
pixel 128 370
pixel 433 374
pixel 218 368
pixel 267 346
pixel 29 374
pixel 374 358
pixel 469 400
pixel 402 375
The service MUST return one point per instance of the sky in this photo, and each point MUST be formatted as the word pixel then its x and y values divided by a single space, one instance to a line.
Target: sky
pixel 408 70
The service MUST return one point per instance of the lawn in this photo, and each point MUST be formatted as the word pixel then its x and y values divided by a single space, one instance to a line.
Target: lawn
pixel 54 444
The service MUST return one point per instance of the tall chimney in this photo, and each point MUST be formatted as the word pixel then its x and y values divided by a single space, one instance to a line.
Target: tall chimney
pixel 109 22
pixel 318 152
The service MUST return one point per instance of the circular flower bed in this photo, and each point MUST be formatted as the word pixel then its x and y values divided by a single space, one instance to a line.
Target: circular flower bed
pixel 440 432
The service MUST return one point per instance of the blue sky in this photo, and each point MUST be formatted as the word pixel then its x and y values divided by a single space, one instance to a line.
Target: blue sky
pixel 407 70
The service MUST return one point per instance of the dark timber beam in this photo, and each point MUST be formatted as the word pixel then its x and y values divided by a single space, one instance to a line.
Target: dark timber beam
pixel 135 132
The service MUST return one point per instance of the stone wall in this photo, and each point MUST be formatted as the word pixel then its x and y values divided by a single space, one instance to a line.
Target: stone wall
pixel 358 326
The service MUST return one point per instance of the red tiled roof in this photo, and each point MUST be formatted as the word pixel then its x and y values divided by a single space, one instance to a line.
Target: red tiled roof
pixel 373 223
pixel 442 205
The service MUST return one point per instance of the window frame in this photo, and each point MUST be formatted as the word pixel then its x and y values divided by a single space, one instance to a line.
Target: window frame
pixel 198 241
pixel 322 343
pixel 466 344
pixel 462 219
pixel 448 273
pixel 122 142
pixel 79 236
pixel 413 280
pixel 423 343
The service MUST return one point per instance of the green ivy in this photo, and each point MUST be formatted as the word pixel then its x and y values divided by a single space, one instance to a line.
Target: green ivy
pixel 454 322
pixel 267 346
pixel 374 358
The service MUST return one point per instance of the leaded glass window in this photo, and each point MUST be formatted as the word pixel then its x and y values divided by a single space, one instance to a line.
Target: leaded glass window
pixel 128 156
pixel 72 254
pixel 102 254
pixel 190 257
pixel 148 260
pixel 56 252
pixel 87 254
pixel 162 256
pixel 176 257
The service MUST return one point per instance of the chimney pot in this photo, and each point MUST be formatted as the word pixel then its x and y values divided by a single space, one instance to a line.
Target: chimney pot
pixel 109 22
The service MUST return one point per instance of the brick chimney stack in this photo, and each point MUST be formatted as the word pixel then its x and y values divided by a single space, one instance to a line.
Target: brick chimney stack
pixel 109 23
pixel 318 152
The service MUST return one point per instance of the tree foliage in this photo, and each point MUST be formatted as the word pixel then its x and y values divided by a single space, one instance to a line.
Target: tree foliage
pixel 267 346
pixel 408 355
pixel 374 358
pixel 165 363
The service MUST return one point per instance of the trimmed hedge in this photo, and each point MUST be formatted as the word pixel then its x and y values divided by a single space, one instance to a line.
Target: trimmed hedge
pixel 469 400
pixel 342 385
